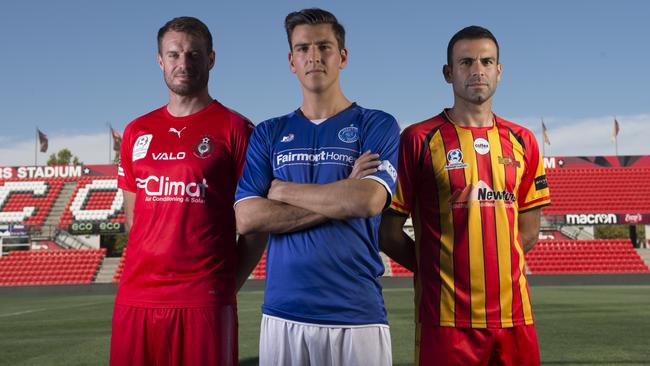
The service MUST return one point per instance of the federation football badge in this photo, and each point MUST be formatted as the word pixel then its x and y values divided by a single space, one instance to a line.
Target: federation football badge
pixel 349 134
pixel 203 148
pixel 455 160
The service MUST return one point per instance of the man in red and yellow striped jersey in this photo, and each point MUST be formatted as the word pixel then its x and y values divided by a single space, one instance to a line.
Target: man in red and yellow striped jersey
pixel 473 184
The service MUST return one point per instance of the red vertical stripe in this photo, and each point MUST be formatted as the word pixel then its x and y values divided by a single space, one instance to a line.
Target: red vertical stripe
pixel 429 245
pixel 461 238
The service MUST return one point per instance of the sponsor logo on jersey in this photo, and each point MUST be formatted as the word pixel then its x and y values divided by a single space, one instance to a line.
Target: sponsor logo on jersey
pixel 204 148
pixel 307 156
pixel 509 160
pixel 541 183
pixel 168 156
pixel 177 132
pixel 162 188
pixel 590 219
pixel 481 146
pixel 455 160
pixel 288 138
pixel 349 134
pixel 388 168
pixel 141 146
pixel 482 195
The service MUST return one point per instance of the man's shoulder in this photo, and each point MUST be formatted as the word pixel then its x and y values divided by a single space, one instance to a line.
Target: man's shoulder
pixel 521 133
pixel 419 130
pixel 371 115
pixel 145 118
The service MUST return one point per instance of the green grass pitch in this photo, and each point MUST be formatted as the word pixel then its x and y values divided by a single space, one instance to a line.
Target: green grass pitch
pixel 576 325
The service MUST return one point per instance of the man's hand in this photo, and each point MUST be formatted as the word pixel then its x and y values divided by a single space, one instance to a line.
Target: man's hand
pixel 276 189
pixel 365 165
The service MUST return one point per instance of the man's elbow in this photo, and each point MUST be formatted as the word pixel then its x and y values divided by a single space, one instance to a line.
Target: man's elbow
pixel 372 205
pixel 245 223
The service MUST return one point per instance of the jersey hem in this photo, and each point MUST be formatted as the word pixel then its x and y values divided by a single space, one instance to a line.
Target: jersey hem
pixel 171 305
pixel 327 325
pixel 482 325
pixel 299 319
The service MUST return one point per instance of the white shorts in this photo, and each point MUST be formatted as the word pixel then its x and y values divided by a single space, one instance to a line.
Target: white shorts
pixel 288 343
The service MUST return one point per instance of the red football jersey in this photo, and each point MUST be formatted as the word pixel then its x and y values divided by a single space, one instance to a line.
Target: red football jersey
pixel 465 189
pixel 184 171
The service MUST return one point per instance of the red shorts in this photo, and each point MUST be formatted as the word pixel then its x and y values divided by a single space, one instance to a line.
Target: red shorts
pixel 183 336
pixel 467 347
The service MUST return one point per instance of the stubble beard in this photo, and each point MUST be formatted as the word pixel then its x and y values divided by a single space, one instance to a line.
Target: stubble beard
pixel 191 87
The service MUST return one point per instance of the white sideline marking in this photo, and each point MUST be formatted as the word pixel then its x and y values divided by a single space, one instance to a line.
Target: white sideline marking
pixel 46 309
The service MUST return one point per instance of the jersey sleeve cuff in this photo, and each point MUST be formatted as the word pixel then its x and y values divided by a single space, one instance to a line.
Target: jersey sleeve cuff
pixel 244 199
pixel 535 204
pixel 382 182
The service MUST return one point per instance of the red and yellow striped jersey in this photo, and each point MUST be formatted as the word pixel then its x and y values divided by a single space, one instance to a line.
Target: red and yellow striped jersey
pixel 464 188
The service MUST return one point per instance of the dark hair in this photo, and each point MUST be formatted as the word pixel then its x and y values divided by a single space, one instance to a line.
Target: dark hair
pixel 471 32
pixel 189 25
pixel 314 16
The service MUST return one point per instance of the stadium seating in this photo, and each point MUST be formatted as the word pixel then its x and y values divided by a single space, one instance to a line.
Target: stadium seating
pixel 399 271
pixel 120 268
pixel 598 190
pixel 28 201
pixel 94 199
pixel 584 256
pixel 50 267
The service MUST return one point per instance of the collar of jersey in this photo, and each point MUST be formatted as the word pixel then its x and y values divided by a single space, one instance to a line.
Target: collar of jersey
pixel 445 115
pixel 203 111
pixel 350 107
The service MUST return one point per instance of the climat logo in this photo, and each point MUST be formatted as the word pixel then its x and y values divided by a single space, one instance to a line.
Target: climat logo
pixel 164 189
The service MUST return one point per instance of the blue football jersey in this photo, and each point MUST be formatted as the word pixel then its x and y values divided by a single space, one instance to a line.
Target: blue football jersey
pixel 327 274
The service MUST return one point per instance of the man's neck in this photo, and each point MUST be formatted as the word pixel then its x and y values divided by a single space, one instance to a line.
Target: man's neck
pixel 323 105
pixel 181 106
pixel 471 115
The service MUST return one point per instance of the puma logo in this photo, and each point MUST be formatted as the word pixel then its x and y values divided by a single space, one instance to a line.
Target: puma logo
pixel 172 129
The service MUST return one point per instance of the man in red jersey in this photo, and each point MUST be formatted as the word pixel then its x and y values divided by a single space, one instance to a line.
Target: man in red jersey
pixel 179 167
pixel 473 184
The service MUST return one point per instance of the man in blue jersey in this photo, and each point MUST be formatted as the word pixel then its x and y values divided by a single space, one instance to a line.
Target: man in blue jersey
pixel 317 179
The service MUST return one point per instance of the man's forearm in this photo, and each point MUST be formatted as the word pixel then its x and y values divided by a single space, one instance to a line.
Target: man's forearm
pixel 249 251
pixel 344 199
pixel 261 215
pixel 395 242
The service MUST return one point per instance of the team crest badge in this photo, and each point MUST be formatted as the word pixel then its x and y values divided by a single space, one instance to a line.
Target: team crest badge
pixel 204 147
pixel 349 134
pixel 455 160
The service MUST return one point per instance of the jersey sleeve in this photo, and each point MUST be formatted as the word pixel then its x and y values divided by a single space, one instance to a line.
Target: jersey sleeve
pixel 408 171
pixel 125 176
pixel 381 137
pixel 258 172
pixel 533 189
pixel 241 133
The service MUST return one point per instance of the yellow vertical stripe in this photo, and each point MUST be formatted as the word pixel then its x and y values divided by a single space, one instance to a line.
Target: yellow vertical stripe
pixel 525 300
pixel 447 290
pixel 502 230
pixel 476 260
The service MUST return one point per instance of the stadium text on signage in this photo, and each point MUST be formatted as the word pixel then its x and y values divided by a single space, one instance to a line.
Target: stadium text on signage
pixel 549 163
pixel 41 172
pixel 590 219
pixel 87 228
